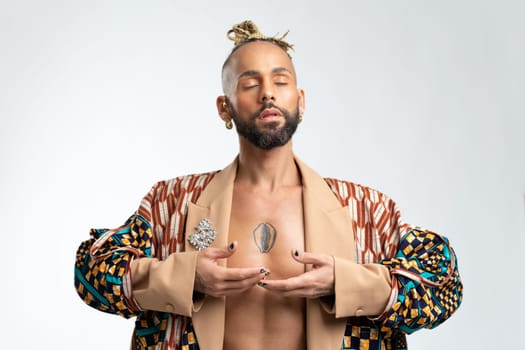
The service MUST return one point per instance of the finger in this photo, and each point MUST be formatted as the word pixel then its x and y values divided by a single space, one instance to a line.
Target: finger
pixel 226 288
pixel 243 284
pixel 220 253
pixel 308 293
pixel 287 293
pixel 312 258
pixel 286 289
pixel 285 285
pixel 243 273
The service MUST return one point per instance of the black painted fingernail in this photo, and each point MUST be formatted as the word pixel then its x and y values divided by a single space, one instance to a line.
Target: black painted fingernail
pixel 261 284
pixel 232 245
pixel 262 270
pixel 296 252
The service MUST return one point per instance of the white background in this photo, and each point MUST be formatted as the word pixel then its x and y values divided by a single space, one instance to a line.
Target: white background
pixel 423 100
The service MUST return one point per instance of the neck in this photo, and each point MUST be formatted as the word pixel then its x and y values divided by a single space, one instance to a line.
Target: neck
pixel 267 170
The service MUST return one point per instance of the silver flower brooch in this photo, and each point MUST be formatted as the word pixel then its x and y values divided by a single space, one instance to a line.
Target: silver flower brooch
pixel 203 236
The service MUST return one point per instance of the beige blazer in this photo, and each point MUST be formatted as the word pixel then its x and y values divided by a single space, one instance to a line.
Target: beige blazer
pixel 359 289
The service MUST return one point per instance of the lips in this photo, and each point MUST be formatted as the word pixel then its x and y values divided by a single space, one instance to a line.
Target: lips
pixel 270 113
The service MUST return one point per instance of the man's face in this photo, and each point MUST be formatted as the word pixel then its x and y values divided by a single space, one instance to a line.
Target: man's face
pixel 264 100
pixel 272 133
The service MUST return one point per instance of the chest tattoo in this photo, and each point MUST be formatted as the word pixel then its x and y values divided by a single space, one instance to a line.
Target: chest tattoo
pixel 264 236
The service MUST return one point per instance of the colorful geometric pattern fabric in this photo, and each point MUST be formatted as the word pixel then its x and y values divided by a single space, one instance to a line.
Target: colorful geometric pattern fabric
pixel 155 230
pixel 362 334
pixel 425 270
pixel 150 328
pixel 427 288
pixel 100 273
pixel 189 341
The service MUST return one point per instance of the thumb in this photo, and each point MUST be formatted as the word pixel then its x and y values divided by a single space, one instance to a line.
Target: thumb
pixel 312 258
pixel 222 253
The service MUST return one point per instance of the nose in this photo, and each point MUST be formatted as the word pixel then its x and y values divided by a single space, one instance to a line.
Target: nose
pixel 267 92
pixel 267 97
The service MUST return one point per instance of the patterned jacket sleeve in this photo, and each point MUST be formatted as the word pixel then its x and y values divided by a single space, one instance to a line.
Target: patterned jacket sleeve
pixel 426 286
pixel 102 262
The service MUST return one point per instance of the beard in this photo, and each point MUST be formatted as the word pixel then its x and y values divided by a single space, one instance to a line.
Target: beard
pixel 272 135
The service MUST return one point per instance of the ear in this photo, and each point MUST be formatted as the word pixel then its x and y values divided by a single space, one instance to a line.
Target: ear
pixel 301 101
pixel 223 108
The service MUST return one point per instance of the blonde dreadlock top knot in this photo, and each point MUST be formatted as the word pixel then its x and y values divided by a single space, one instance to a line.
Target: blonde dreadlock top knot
pixel 247 31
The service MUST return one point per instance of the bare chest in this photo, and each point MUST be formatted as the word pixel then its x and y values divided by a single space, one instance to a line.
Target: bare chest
pixel 267 228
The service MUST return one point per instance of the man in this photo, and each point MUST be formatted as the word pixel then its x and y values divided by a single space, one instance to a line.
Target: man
pixel 266 253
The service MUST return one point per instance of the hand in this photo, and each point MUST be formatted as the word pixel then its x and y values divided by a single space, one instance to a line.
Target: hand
pixel 315 283
pixel 219 281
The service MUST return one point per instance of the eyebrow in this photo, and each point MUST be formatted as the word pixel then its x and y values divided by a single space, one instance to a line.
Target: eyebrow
pixel 252 73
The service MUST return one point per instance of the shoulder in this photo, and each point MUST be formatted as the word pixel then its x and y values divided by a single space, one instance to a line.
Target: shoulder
pixel 343 190
pixel 182 184
pixel 347 191
pixel 168 193
pixel 368 204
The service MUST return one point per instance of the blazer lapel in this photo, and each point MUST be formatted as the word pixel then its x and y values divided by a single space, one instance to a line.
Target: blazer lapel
pixel 214 204
pixel 328 230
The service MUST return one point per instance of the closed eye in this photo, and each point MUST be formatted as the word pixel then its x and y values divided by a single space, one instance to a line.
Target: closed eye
pixel 251 86
pixel 281 79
